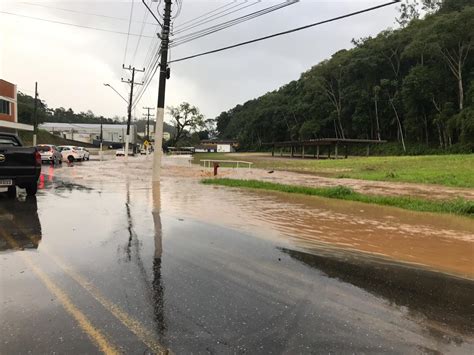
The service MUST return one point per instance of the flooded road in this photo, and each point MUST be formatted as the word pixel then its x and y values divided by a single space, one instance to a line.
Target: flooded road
pixel 102 261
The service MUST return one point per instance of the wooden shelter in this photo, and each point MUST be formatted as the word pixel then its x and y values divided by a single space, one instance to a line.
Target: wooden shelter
pixel 326 143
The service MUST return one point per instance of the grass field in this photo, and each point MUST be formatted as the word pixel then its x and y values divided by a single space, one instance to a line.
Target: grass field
pixel 459 206
pixel 448 170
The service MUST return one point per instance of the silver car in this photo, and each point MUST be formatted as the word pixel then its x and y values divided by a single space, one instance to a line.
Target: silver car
pixel 49 154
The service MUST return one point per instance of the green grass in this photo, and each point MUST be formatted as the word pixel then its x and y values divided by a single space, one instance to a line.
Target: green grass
pixel 459 206
pixel 448 170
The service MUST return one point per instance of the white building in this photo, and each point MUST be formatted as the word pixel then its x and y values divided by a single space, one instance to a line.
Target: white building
pixel 90 133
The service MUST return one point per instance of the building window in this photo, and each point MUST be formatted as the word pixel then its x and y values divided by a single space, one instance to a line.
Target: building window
pixel 4 107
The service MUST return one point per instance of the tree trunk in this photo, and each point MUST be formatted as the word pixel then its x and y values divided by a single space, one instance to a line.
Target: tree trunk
pixel 400 130
pixel 340 123
pixel 460 87
pixel 335 129
pixel 439 135
pixel 377 116
pixel 425 121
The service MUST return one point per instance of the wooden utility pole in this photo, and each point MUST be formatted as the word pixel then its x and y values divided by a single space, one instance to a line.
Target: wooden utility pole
pixel 35 115
pixel 130 102
pixel 164 74
pixel 147 115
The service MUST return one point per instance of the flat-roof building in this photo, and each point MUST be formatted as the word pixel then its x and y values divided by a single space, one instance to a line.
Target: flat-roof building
pixel 9 107
pixel 90 132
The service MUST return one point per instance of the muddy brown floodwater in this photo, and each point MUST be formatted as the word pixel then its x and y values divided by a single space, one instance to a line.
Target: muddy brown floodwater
pixel 435 241
pixel 102 259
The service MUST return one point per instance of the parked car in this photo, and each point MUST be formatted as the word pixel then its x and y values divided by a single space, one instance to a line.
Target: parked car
pixel 50 154
pixel 121 152
pixel 85 151
pixel 70 153
pixel 19 166
pixel 143 151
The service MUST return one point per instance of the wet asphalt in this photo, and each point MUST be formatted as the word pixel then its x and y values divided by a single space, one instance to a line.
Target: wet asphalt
pixel 106 265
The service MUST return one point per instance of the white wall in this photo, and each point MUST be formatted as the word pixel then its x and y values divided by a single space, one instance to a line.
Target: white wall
pixel 224 148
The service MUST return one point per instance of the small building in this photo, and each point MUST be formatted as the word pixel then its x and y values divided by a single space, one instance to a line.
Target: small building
pixel 90 133
pixel 218 146
pixel 9 108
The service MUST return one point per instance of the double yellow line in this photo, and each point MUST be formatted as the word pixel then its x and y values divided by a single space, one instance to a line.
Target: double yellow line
pixel 97 337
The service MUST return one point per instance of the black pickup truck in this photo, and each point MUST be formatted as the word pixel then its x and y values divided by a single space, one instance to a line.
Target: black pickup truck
pixel 19 166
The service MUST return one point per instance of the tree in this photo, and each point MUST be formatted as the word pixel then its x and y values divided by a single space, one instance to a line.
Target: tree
pixel 453 37
pixel 186 119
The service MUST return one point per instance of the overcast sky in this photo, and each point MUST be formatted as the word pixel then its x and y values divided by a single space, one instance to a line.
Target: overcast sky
pixel 71 63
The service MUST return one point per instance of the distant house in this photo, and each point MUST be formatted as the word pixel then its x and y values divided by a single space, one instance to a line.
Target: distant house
pixel 218 146
pixel 9 108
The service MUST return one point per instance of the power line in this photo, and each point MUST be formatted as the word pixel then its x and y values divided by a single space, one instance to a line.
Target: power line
pixel 217 16
pixel 286 32
pixel 81 12
pixel 72 24
pixel 219 27
pixel 205 14
pixel 145 15
pixel 128 36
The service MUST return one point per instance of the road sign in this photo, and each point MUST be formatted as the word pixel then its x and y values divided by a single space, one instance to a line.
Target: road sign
pixel 146 143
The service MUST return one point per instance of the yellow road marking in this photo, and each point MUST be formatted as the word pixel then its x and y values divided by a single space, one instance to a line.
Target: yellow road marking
pixel 147 337
pixel 94 334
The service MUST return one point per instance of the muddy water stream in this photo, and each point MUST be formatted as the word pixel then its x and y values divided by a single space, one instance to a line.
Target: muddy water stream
pixel 435 241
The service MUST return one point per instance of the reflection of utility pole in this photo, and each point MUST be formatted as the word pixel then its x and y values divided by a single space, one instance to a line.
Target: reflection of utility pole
pixel 130 102
pixel 101 136
pixel 158 288
pixel 148 122
pixel 35 115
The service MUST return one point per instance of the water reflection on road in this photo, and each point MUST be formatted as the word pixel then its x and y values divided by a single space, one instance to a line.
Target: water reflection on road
pixel 208 269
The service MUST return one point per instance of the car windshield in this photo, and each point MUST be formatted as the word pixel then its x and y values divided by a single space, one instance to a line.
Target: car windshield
pixel 43 149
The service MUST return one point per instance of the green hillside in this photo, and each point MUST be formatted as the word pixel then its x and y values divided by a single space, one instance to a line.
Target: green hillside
pixel 412 85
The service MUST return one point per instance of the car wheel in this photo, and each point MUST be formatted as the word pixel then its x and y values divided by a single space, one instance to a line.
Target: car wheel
pixel 31 189
pixel 11 191
pixel 70 159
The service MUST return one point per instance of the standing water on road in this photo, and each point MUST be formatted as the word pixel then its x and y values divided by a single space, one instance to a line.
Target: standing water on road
pixel 104 260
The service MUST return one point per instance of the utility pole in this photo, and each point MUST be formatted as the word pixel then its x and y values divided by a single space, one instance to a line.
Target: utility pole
pixel 35 115
pixel 130 102
pixel 164 74
pixel 148 122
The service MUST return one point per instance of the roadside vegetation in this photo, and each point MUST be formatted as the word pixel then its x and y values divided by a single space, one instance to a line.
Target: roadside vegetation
pixel 447 170
pixel 409 85
pixel 459 206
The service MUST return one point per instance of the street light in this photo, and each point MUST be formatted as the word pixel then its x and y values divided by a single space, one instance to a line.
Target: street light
pixel 128 104
pixel 123 98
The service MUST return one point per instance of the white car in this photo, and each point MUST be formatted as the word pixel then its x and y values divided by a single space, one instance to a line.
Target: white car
pixel 70 153
pixel 121 152
pixel 85 151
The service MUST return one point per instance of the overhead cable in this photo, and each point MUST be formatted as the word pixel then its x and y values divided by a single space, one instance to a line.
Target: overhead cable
pixel 72 24
pixel 219 27
pixel 286 32
pixel 217 16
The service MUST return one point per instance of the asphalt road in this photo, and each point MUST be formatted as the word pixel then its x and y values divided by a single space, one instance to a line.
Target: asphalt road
pixel 103 262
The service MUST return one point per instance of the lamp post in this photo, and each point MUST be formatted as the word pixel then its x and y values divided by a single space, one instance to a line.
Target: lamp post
pixel 124 99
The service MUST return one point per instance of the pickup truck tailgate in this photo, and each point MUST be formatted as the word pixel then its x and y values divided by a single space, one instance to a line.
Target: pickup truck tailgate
pixel 17 161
